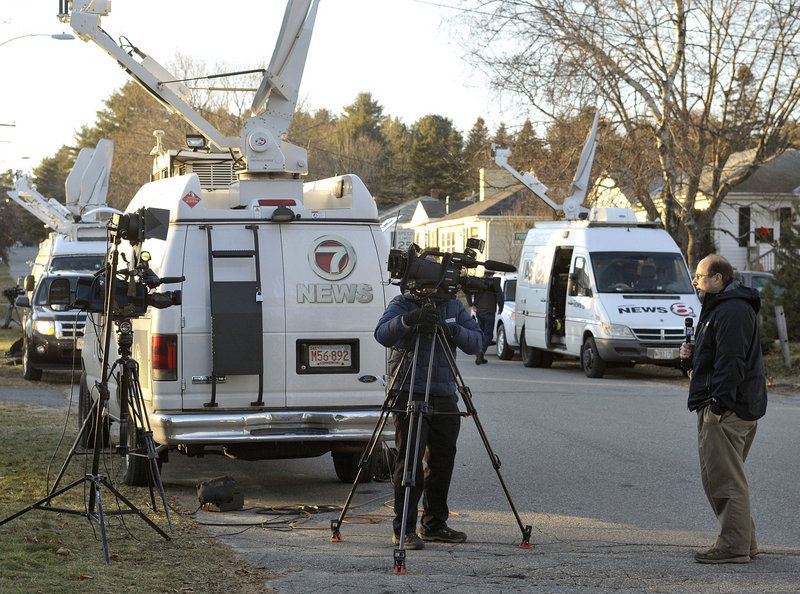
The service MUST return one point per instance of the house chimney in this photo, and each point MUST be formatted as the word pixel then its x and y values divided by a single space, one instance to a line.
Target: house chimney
pixel 434 193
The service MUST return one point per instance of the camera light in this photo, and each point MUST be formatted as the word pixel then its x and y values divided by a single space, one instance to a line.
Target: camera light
pixel 45 327
pixel 196 141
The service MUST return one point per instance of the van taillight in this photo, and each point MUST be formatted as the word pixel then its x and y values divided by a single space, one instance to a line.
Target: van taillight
pixel 165 357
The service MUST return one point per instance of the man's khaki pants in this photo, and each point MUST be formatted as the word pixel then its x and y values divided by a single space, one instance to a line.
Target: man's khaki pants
pixel 723 447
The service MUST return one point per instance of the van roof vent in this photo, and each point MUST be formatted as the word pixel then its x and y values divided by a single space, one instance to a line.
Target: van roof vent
pixel 622 216
pixel 213 175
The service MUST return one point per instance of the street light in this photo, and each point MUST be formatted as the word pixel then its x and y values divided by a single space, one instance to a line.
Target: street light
pixel 59 36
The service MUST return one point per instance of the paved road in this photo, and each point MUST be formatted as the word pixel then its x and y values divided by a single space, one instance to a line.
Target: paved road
pixel 605 471
pixel 18 259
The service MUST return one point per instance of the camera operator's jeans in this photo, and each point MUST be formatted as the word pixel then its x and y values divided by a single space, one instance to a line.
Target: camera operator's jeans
pixel 437 445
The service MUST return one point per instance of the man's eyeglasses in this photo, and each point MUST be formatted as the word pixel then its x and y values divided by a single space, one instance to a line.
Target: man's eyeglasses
pixel 699 276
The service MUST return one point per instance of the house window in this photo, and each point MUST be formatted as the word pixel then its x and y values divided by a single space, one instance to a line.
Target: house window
pixel 473 232
pixel 744 226
pixel 448 242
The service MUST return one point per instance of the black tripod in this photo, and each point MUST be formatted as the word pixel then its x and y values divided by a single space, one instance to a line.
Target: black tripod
pixel 12 315
pixel 132 412
pixel 417 409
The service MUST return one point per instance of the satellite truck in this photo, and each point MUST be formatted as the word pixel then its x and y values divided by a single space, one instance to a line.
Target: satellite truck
pixel 263 347
pixel 598 284
pixel 78 240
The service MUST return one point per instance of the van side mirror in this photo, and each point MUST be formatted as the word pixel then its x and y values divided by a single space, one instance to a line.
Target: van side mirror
pixel 30 283
pixel 59 292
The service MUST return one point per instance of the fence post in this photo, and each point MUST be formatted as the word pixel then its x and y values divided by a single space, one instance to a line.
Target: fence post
pixel 780 320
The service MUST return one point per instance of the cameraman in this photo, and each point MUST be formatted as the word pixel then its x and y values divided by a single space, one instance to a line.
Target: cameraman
pixel 398 329
pixel 484 305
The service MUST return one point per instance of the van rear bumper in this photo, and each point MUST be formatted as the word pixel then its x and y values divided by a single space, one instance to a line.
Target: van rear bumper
pixel 616 350
pixel 264 426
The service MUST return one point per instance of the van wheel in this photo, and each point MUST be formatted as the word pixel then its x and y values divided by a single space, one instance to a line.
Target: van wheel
pixel 346 466
pixel 136 464
pixel 532 357
pixel 526 352
pixel 29 373
pixel 504 352
pixel 84 410
pixel 593 365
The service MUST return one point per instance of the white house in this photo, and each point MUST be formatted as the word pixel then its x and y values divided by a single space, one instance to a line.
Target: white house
pixel 750 219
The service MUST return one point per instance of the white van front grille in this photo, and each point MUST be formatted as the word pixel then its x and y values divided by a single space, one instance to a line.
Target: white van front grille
pixel 660 335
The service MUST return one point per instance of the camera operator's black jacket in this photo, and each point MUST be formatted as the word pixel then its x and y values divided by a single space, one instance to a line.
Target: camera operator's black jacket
pixel 727 368
pixel 392 332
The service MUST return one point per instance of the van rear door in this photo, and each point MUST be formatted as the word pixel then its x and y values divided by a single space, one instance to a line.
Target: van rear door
pixel 231 242
pixel 333 301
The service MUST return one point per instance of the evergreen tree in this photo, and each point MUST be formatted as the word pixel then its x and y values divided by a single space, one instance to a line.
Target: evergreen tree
pixel 436 159
pixel 362 119
pixel 477 154
pixel 784 287
pixel 396 181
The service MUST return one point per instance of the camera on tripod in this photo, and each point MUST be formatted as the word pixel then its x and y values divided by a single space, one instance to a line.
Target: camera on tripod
pixel 132 288
pixel 441 275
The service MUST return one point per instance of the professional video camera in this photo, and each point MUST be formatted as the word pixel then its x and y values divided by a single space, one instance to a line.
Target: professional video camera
pixel 440 275
pixel 132 286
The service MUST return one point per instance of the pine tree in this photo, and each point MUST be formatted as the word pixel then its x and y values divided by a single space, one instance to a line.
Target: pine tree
pixel 784 287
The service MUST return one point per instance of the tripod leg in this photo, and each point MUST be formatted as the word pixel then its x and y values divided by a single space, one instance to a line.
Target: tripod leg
pixel 87 422
pixel 388 404
pixel 466 396
pixel 140 419
pixel 101 518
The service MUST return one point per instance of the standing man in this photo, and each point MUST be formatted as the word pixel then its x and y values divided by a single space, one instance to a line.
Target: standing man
pixel 402 322
pixel 484 304
pixel 728 392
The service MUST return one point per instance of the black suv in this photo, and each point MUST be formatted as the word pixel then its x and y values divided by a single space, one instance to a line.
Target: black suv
pixel 51 332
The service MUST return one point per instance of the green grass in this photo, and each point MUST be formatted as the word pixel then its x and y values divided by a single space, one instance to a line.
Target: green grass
pixel 47 551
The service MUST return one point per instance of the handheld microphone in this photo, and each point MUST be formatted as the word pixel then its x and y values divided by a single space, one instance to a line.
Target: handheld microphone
pixel 689 323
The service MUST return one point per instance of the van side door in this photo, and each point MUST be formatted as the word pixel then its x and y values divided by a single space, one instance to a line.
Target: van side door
pixel 579 301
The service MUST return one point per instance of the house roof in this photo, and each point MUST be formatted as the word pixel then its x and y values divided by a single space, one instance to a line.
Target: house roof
pixel 434 208
pixel 501 203
pixel 781 175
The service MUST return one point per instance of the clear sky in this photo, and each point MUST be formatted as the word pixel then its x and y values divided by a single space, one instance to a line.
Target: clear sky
pixel 397 50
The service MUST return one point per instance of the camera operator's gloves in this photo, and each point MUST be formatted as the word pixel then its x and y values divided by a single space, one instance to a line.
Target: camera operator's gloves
pixel 423 316
pixel 450 331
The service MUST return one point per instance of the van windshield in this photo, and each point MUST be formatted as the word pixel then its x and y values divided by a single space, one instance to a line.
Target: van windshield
pixel 637 272
pixel 83 262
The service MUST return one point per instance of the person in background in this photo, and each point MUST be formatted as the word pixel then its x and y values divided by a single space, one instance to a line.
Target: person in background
pixel 485 304
pixel 729 394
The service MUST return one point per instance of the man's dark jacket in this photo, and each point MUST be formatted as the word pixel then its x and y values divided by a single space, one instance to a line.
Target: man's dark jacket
pixel 727 367
pixel 393 332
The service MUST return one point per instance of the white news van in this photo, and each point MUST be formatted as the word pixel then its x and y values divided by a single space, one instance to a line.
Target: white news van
pixel 271 353
pixel 607 289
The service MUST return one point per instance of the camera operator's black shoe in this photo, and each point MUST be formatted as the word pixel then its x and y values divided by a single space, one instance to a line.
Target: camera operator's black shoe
pixel 479 358
pixel 444 534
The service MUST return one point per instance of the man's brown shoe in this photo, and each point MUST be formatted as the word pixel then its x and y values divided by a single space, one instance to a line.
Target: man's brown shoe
pixel 713 555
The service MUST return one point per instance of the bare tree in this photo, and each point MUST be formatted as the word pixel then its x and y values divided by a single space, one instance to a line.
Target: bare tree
pixel 698 81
